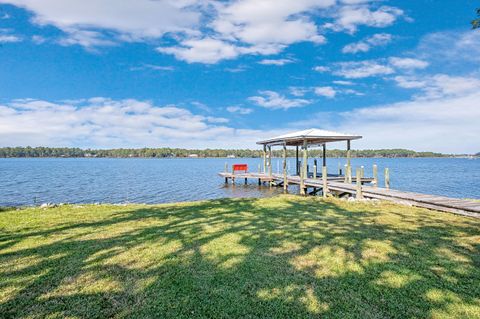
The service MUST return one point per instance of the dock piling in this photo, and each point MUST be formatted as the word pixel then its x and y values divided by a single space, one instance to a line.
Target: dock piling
pixel 375 175
pixel 314 171
pixel 387 178
pixel 358 178
pixel 324 178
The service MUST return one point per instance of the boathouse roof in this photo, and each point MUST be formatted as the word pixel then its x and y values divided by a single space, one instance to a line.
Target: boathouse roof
pixel 312 136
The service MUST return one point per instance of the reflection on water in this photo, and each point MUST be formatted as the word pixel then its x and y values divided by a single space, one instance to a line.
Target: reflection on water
pixel 88 180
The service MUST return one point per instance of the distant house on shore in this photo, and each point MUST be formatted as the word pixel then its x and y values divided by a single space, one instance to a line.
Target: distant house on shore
pixel 193 155
pixel 231 156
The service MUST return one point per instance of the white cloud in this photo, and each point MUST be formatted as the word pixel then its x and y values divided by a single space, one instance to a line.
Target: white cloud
pixel 203 31
pixel 408 63
pixel 362 69
pixel 321 69
pixel 133 19
pixel 270 21
pixel 86 38
pixel 7 37
pixel 452 47
pixel 439 85
pixel 277 62
pixel 447 125
pixel 239 110
pixel 342 82
pixel 326 91
pixel 106 123
pixel 298 91
pixel 368 43
pixel 349 17
pixel 206 50
pixel 273 100
pixel 38 39
pixel 153 67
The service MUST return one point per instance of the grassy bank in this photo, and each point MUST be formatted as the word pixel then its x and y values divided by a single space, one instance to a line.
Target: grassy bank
pixel 280 257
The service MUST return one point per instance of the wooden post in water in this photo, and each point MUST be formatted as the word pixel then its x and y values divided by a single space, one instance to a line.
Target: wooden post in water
pixel 226 171
pixel 387 178
pixel 270 161
pixel 314 171
pixel 304 172
pixel 324 153
pixel 324 178
pixel 348 173
pixel 302 185
pixel 297 168
pixel 285 182
pixel 233 176
pixel 259 172
pixel 264 159
pixel 375 175
pixel 359 183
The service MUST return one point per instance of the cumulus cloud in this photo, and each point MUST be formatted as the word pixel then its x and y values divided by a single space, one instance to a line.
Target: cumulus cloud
pixel 203 31
pixel 278 62
pixel 362 69
pixel 439 85
pixel 147 66
pixel 451 46
pixel 326 91
pixel 321 68
pixel 447 124
pixel 239 110
pixel 101 122
pixel 273 100
pixel 408 63
pixel 349 17
pixel 343 82
pixel 6 36
pixel 368 43
pixel 133 19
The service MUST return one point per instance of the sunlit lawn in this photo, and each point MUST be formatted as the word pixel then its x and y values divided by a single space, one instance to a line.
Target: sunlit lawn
pixel 281 257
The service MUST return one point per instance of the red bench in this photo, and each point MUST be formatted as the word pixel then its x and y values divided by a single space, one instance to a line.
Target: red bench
pixel 239 167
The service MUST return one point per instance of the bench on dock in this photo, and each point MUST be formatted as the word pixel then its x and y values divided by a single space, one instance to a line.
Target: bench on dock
pixel 240 168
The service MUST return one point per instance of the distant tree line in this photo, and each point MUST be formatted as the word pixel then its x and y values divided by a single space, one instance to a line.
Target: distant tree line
pixel 178 152
pixel 476 22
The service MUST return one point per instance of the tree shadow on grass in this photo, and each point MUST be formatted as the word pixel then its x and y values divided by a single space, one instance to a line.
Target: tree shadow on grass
pixel 287 257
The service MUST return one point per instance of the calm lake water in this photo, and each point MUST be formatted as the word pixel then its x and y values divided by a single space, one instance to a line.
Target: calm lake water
pixel 104 180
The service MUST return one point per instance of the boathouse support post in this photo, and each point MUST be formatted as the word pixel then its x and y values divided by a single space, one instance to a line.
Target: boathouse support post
pixel 315 171
pixel 226 171
pixel 324 154
pixel 304 173
pixel 285 182
pixel 358 178
pixel 270 160
pixel 387 178
pixel 348 173
pixel 297 168
pixel 324 178
pixel 375 175
pixel 264 159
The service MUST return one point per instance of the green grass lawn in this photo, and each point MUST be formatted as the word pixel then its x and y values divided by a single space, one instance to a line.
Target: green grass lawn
pixel 283 257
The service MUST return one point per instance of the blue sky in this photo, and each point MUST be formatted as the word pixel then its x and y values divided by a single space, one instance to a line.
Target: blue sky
pixel 202 73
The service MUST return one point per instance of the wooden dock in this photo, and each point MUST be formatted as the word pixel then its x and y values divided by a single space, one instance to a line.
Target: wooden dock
pixel 337 186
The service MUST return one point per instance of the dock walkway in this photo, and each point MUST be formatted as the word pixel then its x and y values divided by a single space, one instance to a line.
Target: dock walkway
pixel 336 184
